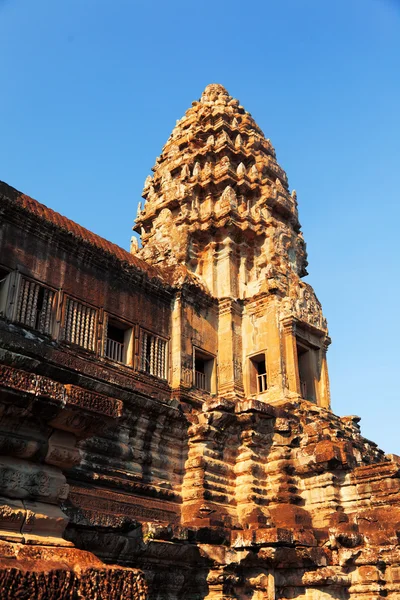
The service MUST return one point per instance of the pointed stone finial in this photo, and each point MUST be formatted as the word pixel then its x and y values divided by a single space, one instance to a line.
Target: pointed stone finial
pixel 234 122
pixel 134 246
pixel 253 171
pixel 139 210
pixel 196 170
pixel 294 195
pixel 210 140
pixel 212 92
pixel 147 182
pixel 241 170
pixel 185 173
pixel 223 138
pixel 207 169
pixel 229 196
pixel 238 141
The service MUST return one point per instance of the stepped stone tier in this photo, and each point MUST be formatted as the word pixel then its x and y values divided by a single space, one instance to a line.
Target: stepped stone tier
pixel 165 422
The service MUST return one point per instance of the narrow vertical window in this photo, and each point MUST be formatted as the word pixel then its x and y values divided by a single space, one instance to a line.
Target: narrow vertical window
pixel 117 340
pixel 258 374
pixel 261 377
pixel 80 324
pixel 307 365
pixel 4 287
pixel 153 355
pixel 203 370
pixel 35 305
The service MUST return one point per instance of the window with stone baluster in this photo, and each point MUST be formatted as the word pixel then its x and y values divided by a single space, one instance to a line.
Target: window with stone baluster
pixel 80 324
pixel 118 340
pixel 203 371
pixel 5 276
pixel 258 374
pixel 153 355
pixel 35 305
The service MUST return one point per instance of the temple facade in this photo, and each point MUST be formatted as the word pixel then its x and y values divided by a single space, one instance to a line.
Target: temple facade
pixel 166 429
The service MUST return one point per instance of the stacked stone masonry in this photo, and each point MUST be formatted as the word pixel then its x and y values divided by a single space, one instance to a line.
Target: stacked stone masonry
pixel 165 420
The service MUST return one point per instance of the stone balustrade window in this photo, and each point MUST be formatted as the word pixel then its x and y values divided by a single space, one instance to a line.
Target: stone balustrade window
pixel 203 370
pixel 35 305
pixel 80 324
pixel 200 380
pixel 4 283
pixel 118 340
pixel 115 344
pixel 258 374
pixel 261 377
pixel 153 355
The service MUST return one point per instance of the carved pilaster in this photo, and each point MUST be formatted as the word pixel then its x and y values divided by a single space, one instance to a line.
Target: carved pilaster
pixel 291 359
pixel 325 394
pixel 230 376
pixel 177 376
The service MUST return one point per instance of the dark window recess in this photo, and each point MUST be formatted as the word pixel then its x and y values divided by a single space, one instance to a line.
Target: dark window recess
pixel 175 173
pixel 258 374
pixel 261 377
pixel 115 343
pixel 307 369
pixel 203 370
pixel 200 376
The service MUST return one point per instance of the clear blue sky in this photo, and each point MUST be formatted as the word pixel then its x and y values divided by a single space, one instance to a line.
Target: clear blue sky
pixel 91 89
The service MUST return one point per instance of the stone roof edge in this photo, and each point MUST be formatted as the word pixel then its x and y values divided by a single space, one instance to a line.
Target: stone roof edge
pixel 99 247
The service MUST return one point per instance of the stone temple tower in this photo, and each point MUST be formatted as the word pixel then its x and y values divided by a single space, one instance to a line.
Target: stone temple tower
pixel 165 421
pixel 218 211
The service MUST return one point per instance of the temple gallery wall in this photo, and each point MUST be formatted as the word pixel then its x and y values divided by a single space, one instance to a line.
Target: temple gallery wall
pixel 166 430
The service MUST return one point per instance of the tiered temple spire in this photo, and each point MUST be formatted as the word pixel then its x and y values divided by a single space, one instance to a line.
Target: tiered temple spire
pixel 218 192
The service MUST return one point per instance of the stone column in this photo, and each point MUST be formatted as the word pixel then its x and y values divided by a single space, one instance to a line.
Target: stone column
pixel 230 376
pixel 324 388
pixel 292 367
pixel 271 586
pixel 209 266
pixel 176 342
pixel 227 273
pixel 274 349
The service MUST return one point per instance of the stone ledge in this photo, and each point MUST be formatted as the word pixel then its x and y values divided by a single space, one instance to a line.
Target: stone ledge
pixel 64 573
pixel 66 395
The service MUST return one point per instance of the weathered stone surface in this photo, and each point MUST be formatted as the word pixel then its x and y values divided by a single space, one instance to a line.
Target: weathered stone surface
pixel 56 574
pixel 168 410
